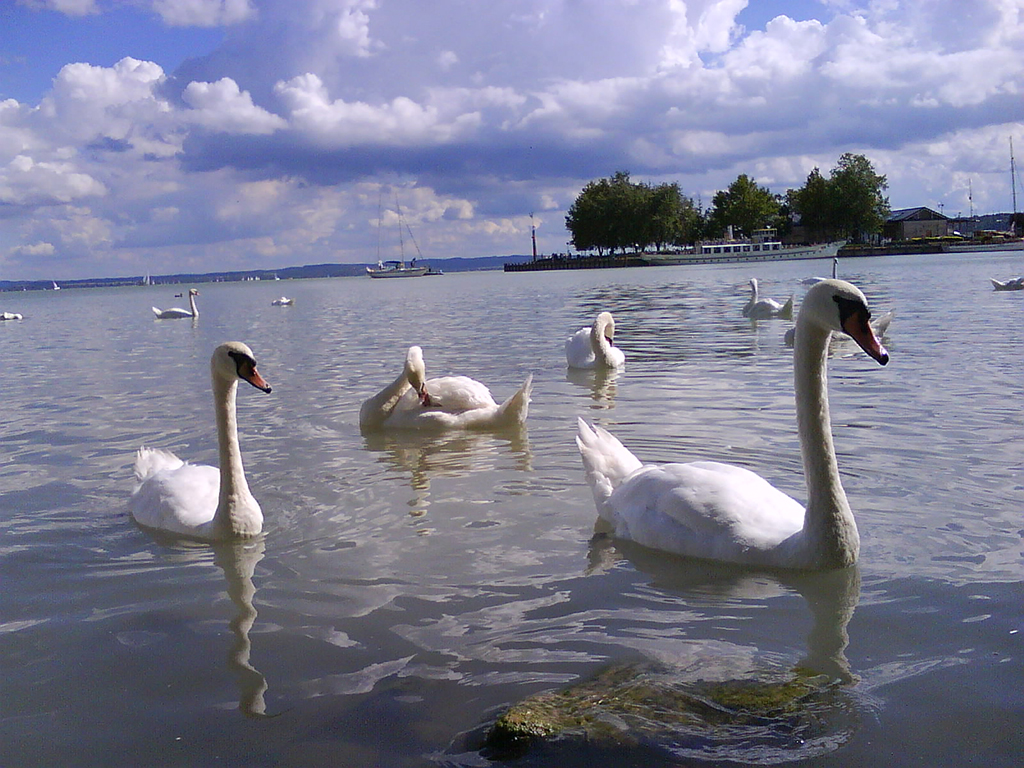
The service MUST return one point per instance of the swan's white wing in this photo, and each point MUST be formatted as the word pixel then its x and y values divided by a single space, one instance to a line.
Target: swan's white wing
pixel 579 351
pixel 181 499
pixel 459 393
pixel 703 509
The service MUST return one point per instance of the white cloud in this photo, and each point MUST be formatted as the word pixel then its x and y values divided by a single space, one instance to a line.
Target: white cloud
pixel 222 106
pixel 204 13
pixel 338 123
pixel 27 182
pixel 67 7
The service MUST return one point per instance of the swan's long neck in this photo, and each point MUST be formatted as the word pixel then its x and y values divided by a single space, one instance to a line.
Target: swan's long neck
pixel 829 528
pixel 192 304
pixel 376 410
pixel 238 513
pixel 599 343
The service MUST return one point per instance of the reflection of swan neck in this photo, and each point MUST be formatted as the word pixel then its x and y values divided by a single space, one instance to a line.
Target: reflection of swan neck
pixel 238 561
pixel 828 521
pixel 832 598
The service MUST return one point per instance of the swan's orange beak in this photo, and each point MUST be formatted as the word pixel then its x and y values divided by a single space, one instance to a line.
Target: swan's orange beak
pixel 859 328
pixel 256 380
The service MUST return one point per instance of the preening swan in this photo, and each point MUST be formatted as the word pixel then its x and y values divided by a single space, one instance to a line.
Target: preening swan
pixel 196 500
pixel 449 402
pixel 721 512
pixel 758 308
pixel 10 316
pixel 177 312
pixel 593 346
pixel 1013 284
pixel 284 301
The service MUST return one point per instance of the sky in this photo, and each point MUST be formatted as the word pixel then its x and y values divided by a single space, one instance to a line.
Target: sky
pixel 164 136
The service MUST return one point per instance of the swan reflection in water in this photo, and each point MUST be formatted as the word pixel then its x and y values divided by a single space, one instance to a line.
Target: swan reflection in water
pixel 238 560
pixel 426 456
pixel 600 382
pixel 831 595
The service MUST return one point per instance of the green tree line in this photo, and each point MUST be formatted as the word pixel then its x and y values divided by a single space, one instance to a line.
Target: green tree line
pixel 617 214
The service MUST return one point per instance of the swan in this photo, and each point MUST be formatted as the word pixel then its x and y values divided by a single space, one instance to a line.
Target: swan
pixel 762 309
pixel 1013 284
pixel 721 512
pixel 195 500
pixel 835 274
pixel 284 301
pixel 449 402
pixel 11 316
pixel 593 346
pixel 177 312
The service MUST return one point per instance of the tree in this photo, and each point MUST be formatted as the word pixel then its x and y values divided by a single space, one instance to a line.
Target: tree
pixel 617 214
pixel 860 209
pixel 848 205
pixel 745 206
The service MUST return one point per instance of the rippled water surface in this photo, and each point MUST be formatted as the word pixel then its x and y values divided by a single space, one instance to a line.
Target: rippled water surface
pixel 408 589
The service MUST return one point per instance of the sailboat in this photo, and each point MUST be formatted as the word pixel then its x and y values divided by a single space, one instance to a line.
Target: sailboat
pixel 996 241
pixel 396 267
pixel 55 286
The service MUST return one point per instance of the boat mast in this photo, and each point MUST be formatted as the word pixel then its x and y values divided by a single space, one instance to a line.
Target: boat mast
pixel 533 236
pixel 401 239
pixel 1013 178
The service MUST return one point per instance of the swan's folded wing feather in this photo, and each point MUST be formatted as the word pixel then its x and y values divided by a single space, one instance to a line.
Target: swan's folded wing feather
pixel 181 499
pixel 460 393
pixel 579 351
pixel 705 509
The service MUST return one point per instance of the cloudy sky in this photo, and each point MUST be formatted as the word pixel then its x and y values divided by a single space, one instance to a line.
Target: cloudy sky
pixel 192 135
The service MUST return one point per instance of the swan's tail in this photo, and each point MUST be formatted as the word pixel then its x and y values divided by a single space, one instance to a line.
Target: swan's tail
pixel 786 313
pixel 149 461
pixel 606 461
pixel 513 411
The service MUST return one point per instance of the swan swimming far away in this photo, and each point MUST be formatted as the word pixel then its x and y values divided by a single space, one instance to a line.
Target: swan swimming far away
pixel 594 346
pixel 195 500
pixel 762 309
pixel 284 301
pixel 10 316
pixel 177 312
pixel 448 402
pixel 722 512
pixel 1013 284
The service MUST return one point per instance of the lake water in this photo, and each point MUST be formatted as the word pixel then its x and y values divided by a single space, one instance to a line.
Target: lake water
pixel 407 589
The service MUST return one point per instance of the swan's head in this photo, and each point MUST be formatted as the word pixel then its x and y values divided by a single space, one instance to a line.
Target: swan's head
pixel 193 292
pixel 416 375
pixel 233 360
pixel 837 305
pixel 604 325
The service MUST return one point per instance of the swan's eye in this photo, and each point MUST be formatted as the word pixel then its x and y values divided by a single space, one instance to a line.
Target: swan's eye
pixel 848 307
pixel 243 364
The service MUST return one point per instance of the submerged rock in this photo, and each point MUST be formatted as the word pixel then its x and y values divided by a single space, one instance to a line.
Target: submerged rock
pixel 648 709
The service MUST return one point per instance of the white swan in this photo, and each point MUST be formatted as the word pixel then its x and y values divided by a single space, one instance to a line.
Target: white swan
pixel 196 500
pixel 11 316
pixel 284 301
pixel 722 512
pixel 449 402
pixel 177 312
pixel 763 309
pixel 1013 284
pixel 594 346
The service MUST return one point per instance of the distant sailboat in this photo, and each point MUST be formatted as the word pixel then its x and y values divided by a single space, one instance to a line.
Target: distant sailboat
pixel 398 267
pixel 56 287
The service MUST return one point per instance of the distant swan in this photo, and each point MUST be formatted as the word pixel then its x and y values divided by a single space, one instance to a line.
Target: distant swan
pixel 763 309
pixel 1013 284
pixel 10 316
pixel 449 402
pixel 196 500
pixel 721 512
pixel 284 301
pixel 593 346
pixel 176 312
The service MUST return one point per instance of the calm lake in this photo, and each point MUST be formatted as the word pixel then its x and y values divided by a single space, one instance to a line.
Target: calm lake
pixel 407 590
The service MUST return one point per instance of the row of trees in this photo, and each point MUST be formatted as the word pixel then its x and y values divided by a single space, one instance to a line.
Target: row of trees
pixel 617 214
